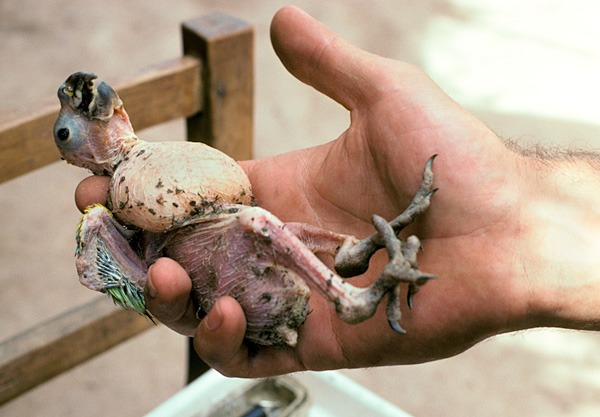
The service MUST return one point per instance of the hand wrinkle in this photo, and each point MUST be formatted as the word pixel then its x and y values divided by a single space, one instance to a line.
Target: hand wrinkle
pixel 311 189
pixel 339 343
pixel 306 184
pixel 373 165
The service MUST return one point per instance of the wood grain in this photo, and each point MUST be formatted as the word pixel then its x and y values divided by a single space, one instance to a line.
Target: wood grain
pixel 224 45
pixel 62 342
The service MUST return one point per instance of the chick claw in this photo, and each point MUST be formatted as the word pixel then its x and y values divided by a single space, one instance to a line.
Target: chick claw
pixel 402 267
pixel 354 260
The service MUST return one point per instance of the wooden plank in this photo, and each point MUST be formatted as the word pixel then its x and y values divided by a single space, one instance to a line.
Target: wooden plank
pixel 161 93
pixel 168 91
pixel 224 45
pixel 26 139
pixel 63 342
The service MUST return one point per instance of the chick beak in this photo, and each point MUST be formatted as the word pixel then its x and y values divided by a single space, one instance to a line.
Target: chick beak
pixel 78 92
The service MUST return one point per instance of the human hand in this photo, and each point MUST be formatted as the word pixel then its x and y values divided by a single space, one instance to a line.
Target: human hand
pixel 473 233
pixel 399 119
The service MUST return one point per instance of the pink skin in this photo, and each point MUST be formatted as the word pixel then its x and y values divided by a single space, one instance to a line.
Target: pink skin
pixel 116 129
pixel 93 131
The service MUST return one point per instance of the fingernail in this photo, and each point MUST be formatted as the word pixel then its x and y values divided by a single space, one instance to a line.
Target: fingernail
pixel 150 288
pixel 214 319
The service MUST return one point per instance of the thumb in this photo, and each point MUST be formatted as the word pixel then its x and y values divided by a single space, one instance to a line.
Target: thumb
pixel 319 57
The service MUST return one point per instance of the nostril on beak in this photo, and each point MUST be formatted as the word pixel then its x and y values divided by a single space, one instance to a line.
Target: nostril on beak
pixel 104 102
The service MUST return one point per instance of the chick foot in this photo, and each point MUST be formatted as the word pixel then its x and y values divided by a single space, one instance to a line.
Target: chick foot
pixel 353 257
pixel 401 268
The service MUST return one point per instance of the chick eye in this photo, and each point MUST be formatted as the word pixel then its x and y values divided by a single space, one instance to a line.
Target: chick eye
pixel 63 133
pixel 68 134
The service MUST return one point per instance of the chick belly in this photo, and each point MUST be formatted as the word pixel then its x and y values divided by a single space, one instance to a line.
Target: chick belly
pixel 223 259
pixel 158 185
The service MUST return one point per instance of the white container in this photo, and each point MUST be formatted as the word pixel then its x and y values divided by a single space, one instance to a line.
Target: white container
pixel 330 394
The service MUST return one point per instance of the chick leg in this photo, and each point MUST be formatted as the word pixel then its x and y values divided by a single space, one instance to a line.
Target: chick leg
pixel 322 241
pixel 352 304
pixel 402 267
pixel 352 255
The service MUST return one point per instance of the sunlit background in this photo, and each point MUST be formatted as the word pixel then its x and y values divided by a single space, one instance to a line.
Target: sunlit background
pixel 529 69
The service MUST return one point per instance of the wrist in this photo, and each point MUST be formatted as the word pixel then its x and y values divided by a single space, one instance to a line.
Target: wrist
pixel 560 245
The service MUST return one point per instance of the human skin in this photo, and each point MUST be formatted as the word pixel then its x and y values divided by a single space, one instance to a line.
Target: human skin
pixel 512 235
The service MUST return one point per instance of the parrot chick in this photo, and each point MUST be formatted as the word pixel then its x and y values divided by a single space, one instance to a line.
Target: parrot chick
pixel 194 204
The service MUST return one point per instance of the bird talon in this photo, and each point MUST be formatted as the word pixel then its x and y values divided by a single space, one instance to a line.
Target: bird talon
pixel 432 192
pixel 412 290
pixel 396 327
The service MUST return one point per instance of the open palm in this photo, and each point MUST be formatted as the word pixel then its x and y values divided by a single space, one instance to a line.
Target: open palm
pixel 399 118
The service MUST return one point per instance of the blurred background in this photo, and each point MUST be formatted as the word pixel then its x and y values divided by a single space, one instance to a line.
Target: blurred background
pixel 527 69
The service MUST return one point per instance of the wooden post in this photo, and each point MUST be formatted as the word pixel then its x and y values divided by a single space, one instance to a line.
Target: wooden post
pixel 224 44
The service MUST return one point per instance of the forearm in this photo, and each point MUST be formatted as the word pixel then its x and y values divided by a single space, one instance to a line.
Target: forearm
pixel 560 245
